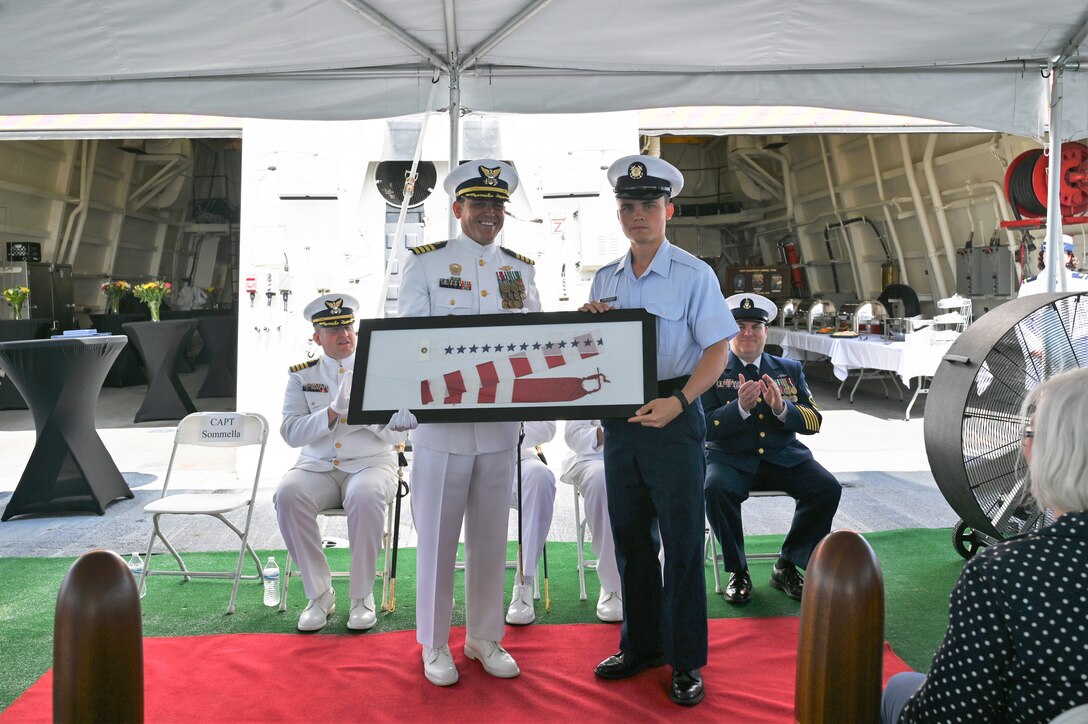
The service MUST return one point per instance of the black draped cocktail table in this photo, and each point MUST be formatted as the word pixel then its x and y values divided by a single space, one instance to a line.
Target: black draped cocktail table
pixel 12 330
pixel 158 344
pixel 69 468
pixel 220 335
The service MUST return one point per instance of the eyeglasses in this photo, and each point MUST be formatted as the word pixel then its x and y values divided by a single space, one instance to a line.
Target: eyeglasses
pixel 1029 433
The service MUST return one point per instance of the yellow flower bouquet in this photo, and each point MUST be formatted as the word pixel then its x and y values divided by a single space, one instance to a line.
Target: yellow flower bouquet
pixel 16 296
pixel 151 294
pixel 114 292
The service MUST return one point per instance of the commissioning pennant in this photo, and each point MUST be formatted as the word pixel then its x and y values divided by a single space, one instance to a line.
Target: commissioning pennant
pixel 510 378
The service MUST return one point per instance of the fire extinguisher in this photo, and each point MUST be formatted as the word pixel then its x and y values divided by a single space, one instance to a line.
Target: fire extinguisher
pixel 797 274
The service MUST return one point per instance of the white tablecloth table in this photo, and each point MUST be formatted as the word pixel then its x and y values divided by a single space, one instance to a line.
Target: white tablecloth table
pixel 916 359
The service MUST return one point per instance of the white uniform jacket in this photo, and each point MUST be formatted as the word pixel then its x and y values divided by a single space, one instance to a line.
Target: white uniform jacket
pixel 581 438
pixel 462 277
pixel 536 433
pixel 311 388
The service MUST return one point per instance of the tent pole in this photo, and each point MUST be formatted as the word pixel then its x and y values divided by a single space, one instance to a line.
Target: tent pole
pixel 1055 249
pixel 455 135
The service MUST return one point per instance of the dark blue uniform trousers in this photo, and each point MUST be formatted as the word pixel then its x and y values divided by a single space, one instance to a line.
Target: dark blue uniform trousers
pixel 816 491
pixel 655 476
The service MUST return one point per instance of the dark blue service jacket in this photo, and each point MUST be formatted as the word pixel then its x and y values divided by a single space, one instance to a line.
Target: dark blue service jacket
pixel 744 443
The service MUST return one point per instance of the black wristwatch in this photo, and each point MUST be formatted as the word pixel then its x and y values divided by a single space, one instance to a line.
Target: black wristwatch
pixel 684 404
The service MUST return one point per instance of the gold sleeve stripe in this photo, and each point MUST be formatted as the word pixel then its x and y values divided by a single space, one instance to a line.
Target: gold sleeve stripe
pixel 812 421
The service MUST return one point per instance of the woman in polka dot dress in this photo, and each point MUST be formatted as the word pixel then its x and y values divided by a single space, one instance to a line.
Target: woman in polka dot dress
pixel 1016 649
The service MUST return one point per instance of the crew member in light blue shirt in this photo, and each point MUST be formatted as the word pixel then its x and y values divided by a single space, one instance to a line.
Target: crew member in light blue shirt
pixel 654 464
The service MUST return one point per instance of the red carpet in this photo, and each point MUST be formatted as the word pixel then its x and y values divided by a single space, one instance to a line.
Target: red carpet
pixel 379 677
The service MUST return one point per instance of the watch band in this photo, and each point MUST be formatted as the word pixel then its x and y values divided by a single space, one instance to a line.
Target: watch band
pixel 679 394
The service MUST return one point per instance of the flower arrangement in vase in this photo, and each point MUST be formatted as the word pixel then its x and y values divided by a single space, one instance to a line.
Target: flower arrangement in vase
pixel 151 294
pixel 16 297
pixel 115 291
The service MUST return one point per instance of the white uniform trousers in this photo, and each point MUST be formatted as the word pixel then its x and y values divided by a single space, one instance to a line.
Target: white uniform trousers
pixel 363 496
pixel 588 477
pixel 446 489
pixel 537 504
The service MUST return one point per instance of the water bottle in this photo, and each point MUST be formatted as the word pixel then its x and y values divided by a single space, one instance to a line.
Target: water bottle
pixel 271 576
pixel 136 565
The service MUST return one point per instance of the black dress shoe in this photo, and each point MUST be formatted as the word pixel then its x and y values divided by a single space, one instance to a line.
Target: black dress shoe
pixel 739 588
pixel 687 687
pixel 787 579
pixel 624 664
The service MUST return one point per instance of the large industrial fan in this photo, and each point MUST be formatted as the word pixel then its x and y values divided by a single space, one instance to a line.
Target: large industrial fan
pixel 973 434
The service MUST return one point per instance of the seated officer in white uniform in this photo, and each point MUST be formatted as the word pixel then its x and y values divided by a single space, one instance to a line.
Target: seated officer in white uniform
pixel 753 416
pixel 537 504
pixel 462 471
pixel 584 469
pixel 340 465
pixel 1075 281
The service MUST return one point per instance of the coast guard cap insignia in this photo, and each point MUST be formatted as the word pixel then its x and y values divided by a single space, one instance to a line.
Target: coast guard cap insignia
pixel 490 175
pixel 636 170
pixel 746 304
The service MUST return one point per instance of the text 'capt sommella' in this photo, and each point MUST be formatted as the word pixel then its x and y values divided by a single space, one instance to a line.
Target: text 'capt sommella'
pixel 219 434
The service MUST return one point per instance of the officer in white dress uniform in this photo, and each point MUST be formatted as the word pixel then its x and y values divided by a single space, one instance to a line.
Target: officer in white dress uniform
pixel 584 469
pixel 462 471
pixel 340 465
pixel 537 505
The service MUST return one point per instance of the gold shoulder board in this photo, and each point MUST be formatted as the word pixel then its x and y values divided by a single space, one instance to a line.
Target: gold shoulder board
pixel 518 256
pixel 303 365
pixel 428 247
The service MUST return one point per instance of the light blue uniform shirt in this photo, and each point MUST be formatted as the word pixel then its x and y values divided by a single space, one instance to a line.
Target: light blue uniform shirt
pixel 683 293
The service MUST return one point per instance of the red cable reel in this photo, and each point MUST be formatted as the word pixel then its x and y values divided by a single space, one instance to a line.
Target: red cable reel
pixel 1026 182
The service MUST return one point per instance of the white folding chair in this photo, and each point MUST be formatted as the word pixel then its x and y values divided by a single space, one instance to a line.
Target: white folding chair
pixel 711 545
pixel 584 563
pixel 386 562
pixel 219 430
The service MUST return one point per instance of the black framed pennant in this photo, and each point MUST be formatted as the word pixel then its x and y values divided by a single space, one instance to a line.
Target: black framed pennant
pixel 505 367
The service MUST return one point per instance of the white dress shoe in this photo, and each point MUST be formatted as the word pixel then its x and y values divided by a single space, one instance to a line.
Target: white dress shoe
pixel 493 656
pixel 521 610
pixel 610 606
pixel 438 666
pixel 362 614
pixel 316 613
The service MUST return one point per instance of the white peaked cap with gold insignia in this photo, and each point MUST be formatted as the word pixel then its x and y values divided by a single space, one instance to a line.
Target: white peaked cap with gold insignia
pixel 486 178
pixel 752 307
pixel 332 310
pixel 644 177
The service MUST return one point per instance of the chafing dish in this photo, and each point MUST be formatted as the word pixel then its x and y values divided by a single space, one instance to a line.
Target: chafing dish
pixel 898 329
pixel 813 314
pixel 786 311
pixel 856 316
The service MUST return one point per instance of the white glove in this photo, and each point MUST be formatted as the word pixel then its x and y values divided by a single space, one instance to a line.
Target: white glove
pixel 403 420
pixel 343 395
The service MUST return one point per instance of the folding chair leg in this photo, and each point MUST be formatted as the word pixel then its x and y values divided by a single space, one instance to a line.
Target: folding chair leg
pixel 156 531
pixel 711 551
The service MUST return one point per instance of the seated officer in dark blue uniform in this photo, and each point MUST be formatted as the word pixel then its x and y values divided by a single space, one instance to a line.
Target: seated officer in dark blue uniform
pixel 753 414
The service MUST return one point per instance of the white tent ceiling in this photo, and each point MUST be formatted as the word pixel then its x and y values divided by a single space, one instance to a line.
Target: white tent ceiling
pixel 961 61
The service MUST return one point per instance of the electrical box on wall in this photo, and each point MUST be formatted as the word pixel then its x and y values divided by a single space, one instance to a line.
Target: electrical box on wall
pixel 24 251
pixel 984 271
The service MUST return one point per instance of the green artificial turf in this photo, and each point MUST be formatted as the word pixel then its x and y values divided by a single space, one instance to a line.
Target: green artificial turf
pixel 919 569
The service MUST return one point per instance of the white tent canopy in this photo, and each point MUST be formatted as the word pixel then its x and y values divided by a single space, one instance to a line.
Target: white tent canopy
pixel 973 63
